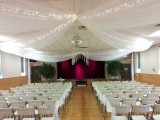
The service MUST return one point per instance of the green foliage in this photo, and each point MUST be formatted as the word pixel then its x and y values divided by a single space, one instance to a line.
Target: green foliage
pixel 47 71
pixel 115 68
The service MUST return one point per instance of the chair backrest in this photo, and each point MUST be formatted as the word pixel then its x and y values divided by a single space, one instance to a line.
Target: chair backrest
pixel 129 101
pixel 32 94
pixel 7 94
pixel 123 96
pixel 114 101
pixel 35 103
pixel 123 109
pixel 110 96
pixel 49 102
pixel 140 108
pixel 22 112
pixel 46 110
pixel 4 104
pixel 6 112
pixel 20 94
pixel 148 101
pixel 11 99
pixel 2 98
pixel 27 98
pixel 151 95
pixel 157 108
pixel 41 98
pixel 18 104
pixel 138 96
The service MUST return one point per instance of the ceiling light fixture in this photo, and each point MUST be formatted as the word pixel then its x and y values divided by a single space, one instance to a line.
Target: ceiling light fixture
pixel 78 51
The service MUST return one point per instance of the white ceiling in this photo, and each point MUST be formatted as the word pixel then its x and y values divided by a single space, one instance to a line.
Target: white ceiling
pixel 63 44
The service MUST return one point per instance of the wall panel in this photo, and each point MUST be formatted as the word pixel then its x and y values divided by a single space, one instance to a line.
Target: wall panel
pixel 7 83
pixel 148 78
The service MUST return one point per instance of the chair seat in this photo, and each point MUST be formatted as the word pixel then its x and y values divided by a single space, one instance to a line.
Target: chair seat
pixel 120 118
pixel 28 118
pixel 48 118
pixel 156 117
pixel 138 117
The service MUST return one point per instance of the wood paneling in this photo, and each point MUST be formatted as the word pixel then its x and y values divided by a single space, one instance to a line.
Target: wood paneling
pixel 7 83
pixel 148 78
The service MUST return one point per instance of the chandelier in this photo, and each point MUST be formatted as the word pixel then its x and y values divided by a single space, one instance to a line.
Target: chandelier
pixel 79 52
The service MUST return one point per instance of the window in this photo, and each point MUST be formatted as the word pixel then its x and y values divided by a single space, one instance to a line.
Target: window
pixel 138 63
pixel 22 66
pixel 0 64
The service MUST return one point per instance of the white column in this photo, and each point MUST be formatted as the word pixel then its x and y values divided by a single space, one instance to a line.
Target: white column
pixel 29 72
pixel 132 67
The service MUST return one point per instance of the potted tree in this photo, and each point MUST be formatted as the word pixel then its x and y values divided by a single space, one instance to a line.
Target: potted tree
pixel 47 71
pixel 115 69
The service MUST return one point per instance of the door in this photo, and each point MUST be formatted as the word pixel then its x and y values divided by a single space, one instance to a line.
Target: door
pixel 126 75
pixel 35 76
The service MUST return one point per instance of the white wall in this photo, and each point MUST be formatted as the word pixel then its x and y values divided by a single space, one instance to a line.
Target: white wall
pixel 149 60
pixel 11 65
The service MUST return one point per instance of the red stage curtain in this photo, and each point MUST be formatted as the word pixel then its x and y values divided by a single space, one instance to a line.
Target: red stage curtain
pixel 80 70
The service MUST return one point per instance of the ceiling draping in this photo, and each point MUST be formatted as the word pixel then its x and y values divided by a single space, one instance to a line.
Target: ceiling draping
pixel 31 28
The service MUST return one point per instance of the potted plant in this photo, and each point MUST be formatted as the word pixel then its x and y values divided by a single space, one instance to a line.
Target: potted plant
pixel 47 71
pixel 115 69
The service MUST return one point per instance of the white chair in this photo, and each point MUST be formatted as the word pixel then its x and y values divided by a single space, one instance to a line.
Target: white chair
pixel 46 113
pixel 114 101
pixel 27 98
pixel 148 101
pixel 129 101
pixel 122 112
pixel 41 98
pixel 35 103
pixel 18 104
pixel 121 96
pixel 26 113
pixel 6 114
pixel 7 94
pixel 20 94
pixel 11 99
pixel 151 95
pixel 4 104
pixel 110 96
pixel 139 96
pixel 49 102
pixel 156 112
pixel 140 112
pixel 2 98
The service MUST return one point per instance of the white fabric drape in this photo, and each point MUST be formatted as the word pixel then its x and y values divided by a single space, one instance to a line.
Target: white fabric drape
pixel 32 28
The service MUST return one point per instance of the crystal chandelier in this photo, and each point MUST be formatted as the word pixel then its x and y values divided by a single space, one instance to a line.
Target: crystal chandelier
pixel 79 52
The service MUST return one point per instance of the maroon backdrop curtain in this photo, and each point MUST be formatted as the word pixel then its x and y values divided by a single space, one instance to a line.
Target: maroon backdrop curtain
pixel 80 70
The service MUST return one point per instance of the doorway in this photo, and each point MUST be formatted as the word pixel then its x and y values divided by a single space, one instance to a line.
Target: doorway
pixel 35 76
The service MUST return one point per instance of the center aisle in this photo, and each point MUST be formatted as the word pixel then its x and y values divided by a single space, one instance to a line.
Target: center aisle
pixel 83 105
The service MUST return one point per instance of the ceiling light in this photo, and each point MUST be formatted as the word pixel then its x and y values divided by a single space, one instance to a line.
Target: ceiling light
pixel 155 34
pixel 76 42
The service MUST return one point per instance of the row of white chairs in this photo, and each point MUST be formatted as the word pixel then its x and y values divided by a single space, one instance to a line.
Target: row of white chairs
pixel 124 93
pixel 35 96
pixel 44 113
